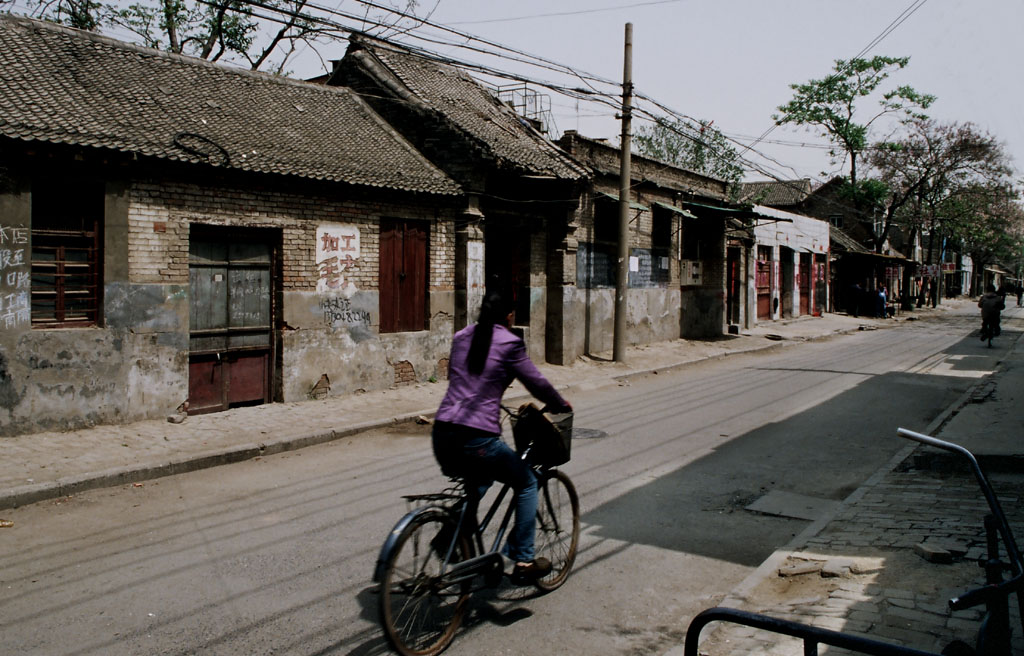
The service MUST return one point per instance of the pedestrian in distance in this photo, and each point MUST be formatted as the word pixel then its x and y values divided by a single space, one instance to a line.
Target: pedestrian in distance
pixel 991 304
pixel 1020 292
pixel 881 302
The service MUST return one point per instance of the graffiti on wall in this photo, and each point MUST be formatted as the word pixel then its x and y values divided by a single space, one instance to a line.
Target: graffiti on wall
pixel 341 311
pixel 337 251
pixel 15 278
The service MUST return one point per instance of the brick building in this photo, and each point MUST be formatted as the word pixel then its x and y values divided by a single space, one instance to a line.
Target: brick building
pixel 521 190
pixel 689 252
pixel 174 230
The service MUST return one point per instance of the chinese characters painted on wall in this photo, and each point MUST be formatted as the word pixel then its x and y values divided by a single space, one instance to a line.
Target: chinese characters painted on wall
pixel 15 278
pixel 337 250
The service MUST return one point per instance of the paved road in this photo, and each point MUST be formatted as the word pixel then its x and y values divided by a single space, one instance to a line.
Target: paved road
pixel 273 555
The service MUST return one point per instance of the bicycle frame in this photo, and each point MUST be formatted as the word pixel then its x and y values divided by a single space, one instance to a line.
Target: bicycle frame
pixel 464 570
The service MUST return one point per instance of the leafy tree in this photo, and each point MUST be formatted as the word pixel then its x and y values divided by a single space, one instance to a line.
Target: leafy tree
pixel 932 179
pixel 263 36
pixel 700 149
pixel 989 220
pixel 930 163
pixel 831 105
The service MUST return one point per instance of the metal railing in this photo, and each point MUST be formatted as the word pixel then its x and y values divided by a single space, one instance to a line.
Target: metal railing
pixel 811 636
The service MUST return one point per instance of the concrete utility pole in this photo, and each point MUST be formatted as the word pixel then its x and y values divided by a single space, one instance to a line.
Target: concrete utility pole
pixel 622 281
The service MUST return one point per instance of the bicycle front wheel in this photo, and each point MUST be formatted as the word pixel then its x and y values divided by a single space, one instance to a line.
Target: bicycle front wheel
pixel 419 610
pixel 558 527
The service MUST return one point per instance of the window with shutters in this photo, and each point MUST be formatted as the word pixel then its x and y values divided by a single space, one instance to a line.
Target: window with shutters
pixel 403 275
pixel 66 253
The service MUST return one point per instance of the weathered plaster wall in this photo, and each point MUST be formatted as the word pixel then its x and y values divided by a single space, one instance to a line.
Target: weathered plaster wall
pixel 787 236
pixel 337 336
pixel 66 378
pixel 134 364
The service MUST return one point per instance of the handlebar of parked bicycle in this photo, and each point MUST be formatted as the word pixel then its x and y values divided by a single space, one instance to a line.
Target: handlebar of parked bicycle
pixel 988 592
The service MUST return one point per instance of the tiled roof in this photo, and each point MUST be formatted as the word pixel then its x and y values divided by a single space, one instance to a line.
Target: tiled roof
pixel 465 104
pixel 844 241
pixel 774 193
pixel 65 86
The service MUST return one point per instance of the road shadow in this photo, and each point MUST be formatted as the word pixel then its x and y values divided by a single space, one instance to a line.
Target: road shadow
pixel 700 508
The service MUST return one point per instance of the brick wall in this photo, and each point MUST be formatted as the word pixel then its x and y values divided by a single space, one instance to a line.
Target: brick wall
pixel 160 215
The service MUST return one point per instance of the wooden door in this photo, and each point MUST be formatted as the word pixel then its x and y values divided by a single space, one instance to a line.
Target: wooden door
pixel 403 275
pixel 230 324
pixel 804 284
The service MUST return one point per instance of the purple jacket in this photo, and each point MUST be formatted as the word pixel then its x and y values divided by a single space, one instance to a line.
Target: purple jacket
pixel 474 400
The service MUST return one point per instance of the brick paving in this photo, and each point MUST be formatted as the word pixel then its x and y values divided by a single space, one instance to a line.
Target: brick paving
pixel 886 562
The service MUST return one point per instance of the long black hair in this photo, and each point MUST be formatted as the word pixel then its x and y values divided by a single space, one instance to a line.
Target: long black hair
pixel 496 307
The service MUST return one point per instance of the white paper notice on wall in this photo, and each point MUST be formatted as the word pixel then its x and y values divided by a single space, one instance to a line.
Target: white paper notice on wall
pixel 664 263
pixel 337 250
pixel 634 264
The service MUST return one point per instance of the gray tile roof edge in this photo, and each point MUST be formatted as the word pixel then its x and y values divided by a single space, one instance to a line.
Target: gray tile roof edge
pixel 134 47
pixel 370 44
pixel 451 188
pixel 403 142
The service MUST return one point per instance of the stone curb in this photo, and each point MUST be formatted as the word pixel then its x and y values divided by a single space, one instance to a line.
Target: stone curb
pixel 22 495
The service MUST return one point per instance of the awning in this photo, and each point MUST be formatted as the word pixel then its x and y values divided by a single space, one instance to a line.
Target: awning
pixel 765 214
pixel 601 195
pixel 724 212
pixel 716 208
pixel 678 210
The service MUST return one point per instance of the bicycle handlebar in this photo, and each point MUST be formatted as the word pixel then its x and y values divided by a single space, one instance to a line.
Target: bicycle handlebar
pixel 986 488
pixel 983 594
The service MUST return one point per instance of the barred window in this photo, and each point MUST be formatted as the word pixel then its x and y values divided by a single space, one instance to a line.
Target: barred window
pixel 66 253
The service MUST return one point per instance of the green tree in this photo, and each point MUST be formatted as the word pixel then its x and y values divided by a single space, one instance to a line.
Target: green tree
pixel 831 105
pixel 988 220
pixel 701 149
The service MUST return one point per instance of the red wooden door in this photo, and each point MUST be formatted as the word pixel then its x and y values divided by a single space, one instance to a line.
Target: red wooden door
pixel 804 283
pixel 763 281
pixel 403 275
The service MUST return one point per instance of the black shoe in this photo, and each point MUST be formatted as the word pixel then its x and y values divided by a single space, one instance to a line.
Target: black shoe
pixel 529 572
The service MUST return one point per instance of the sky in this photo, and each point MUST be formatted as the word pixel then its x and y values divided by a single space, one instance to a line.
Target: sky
pixel 732 61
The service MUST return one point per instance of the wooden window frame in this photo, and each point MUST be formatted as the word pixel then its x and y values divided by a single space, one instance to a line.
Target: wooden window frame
pixel 67 247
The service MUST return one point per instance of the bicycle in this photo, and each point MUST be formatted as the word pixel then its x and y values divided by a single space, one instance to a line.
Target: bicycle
pixel 435 556
pixel 989 329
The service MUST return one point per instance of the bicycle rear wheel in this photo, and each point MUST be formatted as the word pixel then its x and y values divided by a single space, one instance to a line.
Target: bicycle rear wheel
pixel 419 611
pixel 558 527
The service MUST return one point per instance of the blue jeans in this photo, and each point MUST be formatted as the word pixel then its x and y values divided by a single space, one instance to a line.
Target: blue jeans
pixel 481 459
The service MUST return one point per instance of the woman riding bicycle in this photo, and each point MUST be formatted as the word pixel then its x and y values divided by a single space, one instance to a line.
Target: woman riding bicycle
pixel 485 359
pixel 991 304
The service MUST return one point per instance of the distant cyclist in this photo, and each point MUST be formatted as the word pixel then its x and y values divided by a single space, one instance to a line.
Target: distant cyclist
pixel 991 304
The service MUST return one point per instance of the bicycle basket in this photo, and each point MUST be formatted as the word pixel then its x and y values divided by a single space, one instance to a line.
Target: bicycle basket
pixel 548 436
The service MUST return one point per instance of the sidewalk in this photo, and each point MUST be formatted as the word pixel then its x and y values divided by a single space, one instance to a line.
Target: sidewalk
pixel 885 563
pixel 54 464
